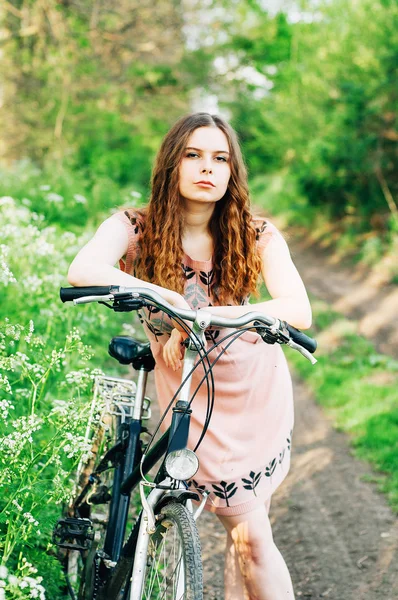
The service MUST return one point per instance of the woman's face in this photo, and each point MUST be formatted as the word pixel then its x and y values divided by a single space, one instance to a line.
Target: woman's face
pixel 206 158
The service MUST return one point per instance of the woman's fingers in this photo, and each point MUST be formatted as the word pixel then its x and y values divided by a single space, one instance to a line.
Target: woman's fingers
pixel 172 351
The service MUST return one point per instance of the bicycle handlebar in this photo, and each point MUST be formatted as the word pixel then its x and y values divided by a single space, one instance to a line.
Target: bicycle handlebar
pixel 85 295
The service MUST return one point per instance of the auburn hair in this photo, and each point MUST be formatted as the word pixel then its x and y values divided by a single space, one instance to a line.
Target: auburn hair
pixel 236 262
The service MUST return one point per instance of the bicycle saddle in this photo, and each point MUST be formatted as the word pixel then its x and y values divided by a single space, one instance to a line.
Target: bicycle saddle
pixel 128 350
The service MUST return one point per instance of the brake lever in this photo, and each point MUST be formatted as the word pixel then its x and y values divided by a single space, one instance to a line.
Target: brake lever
pixel 275 334
pixel 302 351
pixel 279 334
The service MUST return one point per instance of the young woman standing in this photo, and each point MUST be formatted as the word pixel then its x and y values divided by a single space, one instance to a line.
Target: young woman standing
pixel 198 245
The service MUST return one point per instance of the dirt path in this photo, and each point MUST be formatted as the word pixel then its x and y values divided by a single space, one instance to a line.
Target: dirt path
pixel 355 292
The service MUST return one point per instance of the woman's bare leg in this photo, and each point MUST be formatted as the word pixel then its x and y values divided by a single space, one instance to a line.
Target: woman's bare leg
pixel 233 581
pixel 250 546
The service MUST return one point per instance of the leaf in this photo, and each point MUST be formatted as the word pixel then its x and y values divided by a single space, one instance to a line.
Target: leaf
pixel 217 488
pixel 230 486
pixel 247 481
pixel 188 272
pixel 220 495
pixel 233 493
pixel 195 295
pixel 248 487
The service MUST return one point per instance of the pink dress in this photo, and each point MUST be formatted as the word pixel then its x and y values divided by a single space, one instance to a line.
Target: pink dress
pixel 245 454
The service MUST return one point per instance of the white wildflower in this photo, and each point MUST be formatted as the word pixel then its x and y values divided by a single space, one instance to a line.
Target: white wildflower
pixel 5 384
pixel 7 201
pixel 6 275
pixel 45 188
pixel 28 336
pixel 135 194
pixel 32 282
pixel 80 199
pixel 3 572
pixel 53 197
pixel 15 503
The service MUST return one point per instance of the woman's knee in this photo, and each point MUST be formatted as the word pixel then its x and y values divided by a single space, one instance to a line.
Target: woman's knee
pixel 251 535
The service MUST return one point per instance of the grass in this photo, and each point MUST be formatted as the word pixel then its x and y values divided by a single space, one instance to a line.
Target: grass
pixel 350 237
pixel 357 386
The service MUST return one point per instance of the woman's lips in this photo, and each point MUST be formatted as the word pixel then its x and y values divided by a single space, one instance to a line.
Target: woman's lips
pixel 206 185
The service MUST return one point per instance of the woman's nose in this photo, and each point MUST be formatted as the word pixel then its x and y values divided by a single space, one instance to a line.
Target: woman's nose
pixel 206 167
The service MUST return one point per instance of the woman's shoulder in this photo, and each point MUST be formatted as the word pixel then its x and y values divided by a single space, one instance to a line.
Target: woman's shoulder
pixel 265 231
pixel 133 218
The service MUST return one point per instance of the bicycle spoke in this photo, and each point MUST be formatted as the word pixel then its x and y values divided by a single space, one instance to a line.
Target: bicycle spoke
pixel 163 576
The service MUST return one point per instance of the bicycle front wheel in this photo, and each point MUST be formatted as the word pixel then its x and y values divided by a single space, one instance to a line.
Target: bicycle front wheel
pixel 174 566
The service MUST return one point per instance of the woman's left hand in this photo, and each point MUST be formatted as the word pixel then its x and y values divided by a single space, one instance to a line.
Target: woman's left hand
pixel 173 352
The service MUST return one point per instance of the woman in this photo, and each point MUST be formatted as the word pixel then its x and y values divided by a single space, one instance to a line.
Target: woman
pixel 198 246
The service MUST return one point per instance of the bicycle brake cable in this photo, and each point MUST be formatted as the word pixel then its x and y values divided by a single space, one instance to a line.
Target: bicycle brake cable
pixel 189 331
pixel 235 334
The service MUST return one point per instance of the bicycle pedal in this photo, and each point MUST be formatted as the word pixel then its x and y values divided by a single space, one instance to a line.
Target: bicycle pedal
pixel 73 533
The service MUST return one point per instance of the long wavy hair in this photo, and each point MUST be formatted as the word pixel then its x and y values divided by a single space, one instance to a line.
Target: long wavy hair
pixel 236 262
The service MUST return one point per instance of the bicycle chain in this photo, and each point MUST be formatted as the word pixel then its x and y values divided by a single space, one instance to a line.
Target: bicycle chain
pixel 96 577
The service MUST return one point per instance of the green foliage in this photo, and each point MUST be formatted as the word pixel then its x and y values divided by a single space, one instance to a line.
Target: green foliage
pixel 90 87
pixel 63 196
pixel 358 387
pixel 325 114
pixel 47 371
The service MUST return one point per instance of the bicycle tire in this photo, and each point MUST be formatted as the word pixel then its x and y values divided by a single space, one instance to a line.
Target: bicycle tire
pixel 175 539
pixel 80 566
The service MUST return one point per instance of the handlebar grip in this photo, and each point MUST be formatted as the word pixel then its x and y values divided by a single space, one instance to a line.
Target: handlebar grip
pixel 300 338
pixel 70 294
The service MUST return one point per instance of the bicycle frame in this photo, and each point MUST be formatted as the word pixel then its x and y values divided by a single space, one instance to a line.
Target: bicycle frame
pixel 129 473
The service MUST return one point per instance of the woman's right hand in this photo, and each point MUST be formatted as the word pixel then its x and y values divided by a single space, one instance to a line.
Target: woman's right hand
pixel 178 301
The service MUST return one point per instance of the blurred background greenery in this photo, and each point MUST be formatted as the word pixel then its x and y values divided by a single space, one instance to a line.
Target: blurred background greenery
pixel 87 90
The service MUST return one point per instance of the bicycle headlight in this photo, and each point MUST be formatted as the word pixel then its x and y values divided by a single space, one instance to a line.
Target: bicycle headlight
pixel 181 464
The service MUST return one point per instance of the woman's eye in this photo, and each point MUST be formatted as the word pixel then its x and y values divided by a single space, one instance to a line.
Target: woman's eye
pixel 222 158
pixel 191 154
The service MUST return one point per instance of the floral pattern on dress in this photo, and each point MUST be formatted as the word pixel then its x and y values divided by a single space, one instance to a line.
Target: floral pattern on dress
pixel 225 490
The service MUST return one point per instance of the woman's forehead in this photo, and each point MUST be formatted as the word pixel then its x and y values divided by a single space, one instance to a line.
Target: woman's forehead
pixel 210 139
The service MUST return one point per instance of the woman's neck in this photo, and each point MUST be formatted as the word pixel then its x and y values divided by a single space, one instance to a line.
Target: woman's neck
pixel 197 218
pixel 197 240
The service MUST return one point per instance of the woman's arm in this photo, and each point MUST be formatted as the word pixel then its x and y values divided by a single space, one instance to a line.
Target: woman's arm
pixel 94 263
pixel 289 297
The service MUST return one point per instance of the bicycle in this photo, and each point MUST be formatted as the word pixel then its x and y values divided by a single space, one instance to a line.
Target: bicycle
pixel 161 556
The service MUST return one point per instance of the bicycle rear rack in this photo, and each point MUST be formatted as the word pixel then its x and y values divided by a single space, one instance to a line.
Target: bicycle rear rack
pixel 118 396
